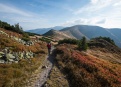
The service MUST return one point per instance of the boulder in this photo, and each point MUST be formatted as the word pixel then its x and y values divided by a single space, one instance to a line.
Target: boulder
pixel 31 54
pixel 2 61
pixel 10 60
pixel 21 55
pixel 16 56
pixel 1 54
pixel 10 56
pixel 15 61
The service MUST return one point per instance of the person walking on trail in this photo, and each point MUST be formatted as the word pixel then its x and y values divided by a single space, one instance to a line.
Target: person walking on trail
pixel 49 47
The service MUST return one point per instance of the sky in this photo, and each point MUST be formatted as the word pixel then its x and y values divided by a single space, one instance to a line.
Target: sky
pixel 32 14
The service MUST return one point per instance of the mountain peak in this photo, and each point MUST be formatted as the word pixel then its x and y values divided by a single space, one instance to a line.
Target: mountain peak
pixel 50 32
pixel 58 35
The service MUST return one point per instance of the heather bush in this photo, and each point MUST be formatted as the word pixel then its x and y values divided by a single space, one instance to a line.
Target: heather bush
pixel 86 70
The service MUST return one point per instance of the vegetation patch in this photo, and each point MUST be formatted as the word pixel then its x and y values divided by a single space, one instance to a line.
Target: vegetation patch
pixel 18 74
pixel 68 41
pixel 84 70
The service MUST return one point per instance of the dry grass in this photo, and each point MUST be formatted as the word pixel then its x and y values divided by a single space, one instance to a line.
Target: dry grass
pixel 57 79
pixel 103 54
pixel 10 33
pixel 17 74
pixel 15 46
pixel 86 70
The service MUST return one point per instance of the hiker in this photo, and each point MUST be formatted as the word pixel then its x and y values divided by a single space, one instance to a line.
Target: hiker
pixel 49 47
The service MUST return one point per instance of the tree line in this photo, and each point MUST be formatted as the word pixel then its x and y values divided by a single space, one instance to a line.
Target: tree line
pixel 82 44
pixel 15 28
pixel 107 39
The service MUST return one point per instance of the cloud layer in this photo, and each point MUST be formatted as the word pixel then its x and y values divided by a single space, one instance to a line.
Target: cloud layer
pixel 46 13
pixel 12 10
pixel 105 13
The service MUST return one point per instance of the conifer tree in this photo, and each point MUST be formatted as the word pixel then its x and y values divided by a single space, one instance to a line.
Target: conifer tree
pixel 84 44
pixel 80 44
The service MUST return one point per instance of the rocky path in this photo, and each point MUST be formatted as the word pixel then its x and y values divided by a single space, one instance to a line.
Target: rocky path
pixel 46 68
pixel 48 75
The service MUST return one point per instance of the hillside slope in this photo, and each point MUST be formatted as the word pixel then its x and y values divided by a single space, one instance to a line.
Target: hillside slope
pixel 116 32
pixel 79 31
pixel 57 35
pixel 89 32
pixel 44 30
pixel 99 66
pixel 19 59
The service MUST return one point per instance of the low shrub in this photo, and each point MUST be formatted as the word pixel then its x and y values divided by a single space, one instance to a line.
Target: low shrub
pixel 86 70
pixel 68 41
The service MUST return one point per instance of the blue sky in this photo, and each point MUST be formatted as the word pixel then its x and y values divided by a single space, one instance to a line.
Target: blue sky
pixel 31 14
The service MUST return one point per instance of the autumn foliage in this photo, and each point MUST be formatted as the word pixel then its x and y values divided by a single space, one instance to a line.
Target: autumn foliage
pixel 18 74
pixel 86 70
pixel 16 46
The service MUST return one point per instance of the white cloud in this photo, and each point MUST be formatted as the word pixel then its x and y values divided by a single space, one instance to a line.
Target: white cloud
pixel 102 21
pixel 94 1
pixel 105 13
pixel 74 22
pixel 117 3
pixel 13 10
pixel 84 21
pixel 27 20
pixel 94 5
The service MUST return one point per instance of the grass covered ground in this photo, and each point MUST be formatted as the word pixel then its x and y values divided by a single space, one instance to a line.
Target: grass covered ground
pixel 18 74
pixel 83 69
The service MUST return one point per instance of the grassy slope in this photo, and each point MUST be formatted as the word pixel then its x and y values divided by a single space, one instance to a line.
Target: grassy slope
pixel 86 70
pixel 17 74
pixel 15 46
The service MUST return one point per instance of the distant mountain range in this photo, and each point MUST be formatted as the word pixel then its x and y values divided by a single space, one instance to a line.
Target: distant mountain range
pixel 44 30
pixel 89 32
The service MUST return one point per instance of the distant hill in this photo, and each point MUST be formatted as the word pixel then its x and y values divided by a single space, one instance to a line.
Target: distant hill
pixel 78 31
pixel 44 30
pixel 94 31
pixel 57 35
pixel 116 32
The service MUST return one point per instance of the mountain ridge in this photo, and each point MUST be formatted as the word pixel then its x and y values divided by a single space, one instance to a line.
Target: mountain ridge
pixel 78 31
pixel 57 35
pixel 91 68
pixel 44 30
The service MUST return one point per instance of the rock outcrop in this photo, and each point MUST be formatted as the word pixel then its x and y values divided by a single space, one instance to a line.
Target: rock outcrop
pixel 9 57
